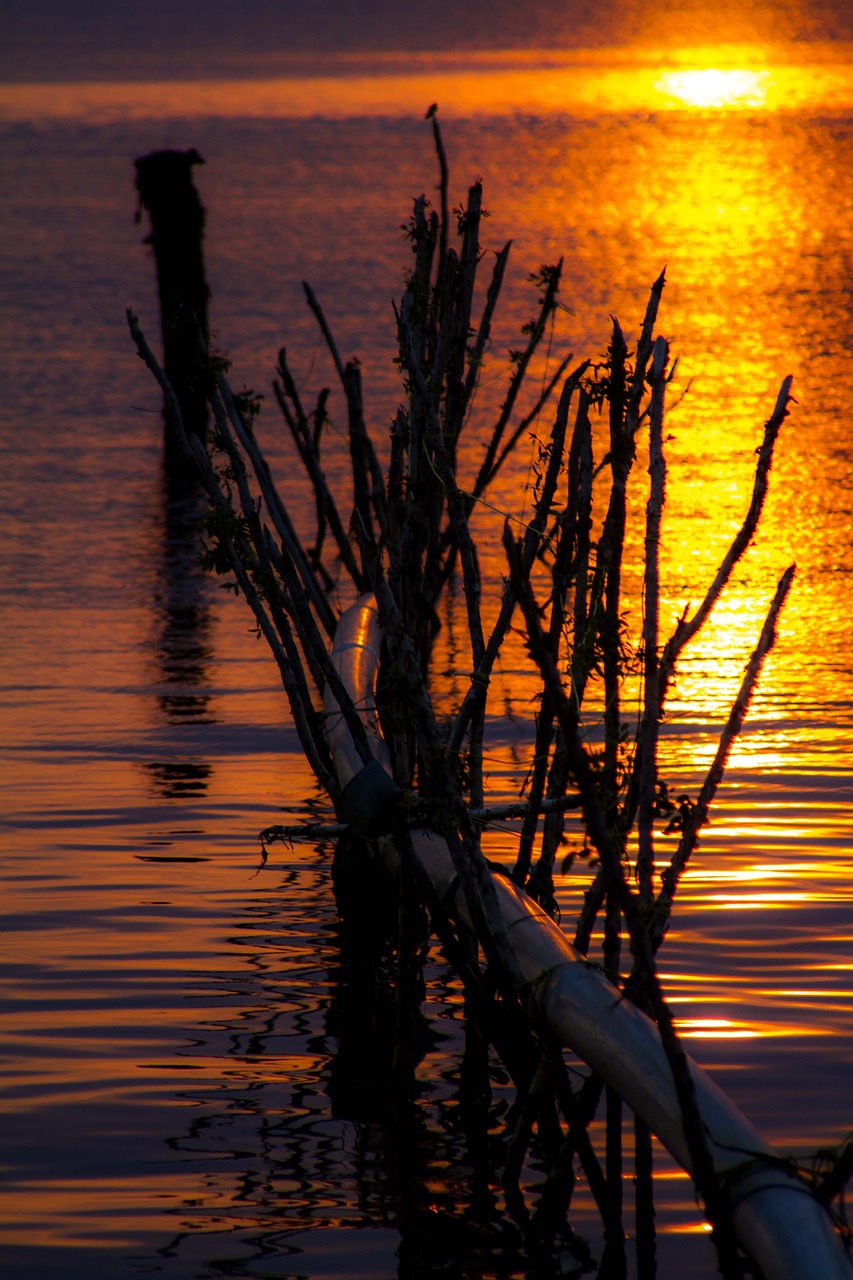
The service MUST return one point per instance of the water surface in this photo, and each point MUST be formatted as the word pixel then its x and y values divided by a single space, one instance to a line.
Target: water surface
pixel 184 1090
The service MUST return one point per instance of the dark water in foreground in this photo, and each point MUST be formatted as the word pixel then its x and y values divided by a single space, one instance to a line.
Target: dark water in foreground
pixel 187 1091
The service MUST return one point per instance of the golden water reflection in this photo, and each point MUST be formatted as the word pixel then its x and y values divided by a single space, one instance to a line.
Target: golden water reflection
pixel 713 87
pixel 714 1029
pixel 758 949
pixel 158 966
pixel 629 79
pixel 737 207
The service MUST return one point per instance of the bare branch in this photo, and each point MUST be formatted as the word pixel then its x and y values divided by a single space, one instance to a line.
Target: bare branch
pixel 648 736
pixel 686 629
pixel 699 814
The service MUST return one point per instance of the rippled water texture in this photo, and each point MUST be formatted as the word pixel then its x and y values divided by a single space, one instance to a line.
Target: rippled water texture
pixel 192 1081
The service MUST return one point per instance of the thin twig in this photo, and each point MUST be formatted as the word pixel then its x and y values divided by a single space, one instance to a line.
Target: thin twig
pixel 546 308
pixel 444 172
pixel 648 736
pixel 699 813
pixel 325 329
pixel 686 629
pixel 277 509
pixel 475 697
pixel 307 447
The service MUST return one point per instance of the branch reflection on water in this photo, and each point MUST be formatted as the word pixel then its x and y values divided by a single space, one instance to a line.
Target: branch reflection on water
pixel 309 1136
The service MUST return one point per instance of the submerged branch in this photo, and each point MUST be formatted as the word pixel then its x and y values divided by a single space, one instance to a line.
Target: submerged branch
pixel 480 817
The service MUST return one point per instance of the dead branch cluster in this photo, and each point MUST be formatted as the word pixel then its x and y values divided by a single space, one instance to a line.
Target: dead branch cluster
pixel 408 534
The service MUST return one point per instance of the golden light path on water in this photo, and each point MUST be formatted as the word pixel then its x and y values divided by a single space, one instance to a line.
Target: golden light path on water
pixel 744 210
pixel 733 208
pixel 536 81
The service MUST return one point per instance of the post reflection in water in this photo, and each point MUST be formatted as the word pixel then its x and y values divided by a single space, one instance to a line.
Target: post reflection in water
pixel 184 649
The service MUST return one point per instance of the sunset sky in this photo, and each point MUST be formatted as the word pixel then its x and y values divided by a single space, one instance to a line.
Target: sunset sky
pixel 105 39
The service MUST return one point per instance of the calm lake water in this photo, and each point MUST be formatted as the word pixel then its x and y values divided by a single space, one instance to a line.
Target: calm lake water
pixel 186 1088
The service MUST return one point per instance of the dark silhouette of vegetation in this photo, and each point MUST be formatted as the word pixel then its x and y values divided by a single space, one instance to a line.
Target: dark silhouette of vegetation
pixel 404 537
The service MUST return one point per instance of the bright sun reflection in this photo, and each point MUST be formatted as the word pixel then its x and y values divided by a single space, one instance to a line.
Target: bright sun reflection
pixel 715 1029
pixel 712 87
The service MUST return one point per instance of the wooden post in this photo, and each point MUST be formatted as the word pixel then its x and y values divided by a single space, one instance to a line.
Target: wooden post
pixel 166 190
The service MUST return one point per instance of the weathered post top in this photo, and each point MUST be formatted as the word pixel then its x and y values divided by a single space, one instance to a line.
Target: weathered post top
pixel 166 189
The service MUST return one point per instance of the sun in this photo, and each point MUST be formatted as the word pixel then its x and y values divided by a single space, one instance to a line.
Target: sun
pixel 713 87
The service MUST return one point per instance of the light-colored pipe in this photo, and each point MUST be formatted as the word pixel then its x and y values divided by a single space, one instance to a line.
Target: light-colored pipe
pixel 778 1222
pixel 369 792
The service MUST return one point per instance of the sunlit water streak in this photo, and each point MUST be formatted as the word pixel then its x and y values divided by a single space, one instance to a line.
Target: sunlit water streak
pixel 538 82
pixel 181 1088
